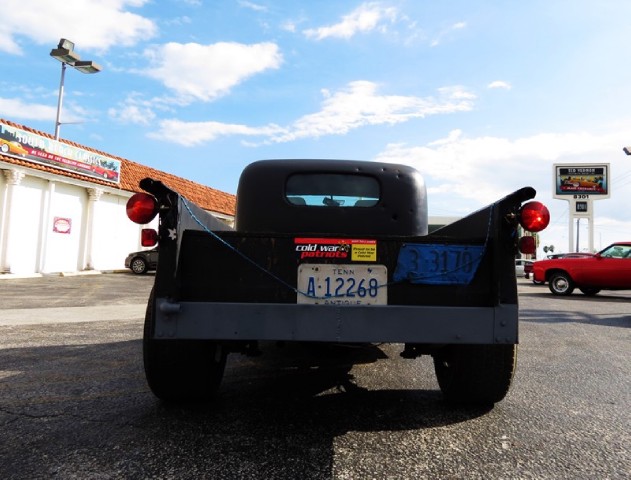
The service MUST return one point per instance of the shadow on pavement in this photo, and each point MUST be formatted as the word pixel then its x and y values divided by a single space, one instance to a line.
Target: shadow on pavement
pixel 84 411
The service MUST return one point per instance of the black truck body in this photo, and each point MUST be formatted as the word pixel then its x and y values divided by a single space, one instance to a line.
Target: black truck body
pixel 335 252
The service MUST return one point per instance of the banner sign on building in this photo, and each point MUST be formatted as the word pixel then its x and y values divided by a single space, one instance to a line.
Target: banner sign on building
pixel 581 179
pixel 31 147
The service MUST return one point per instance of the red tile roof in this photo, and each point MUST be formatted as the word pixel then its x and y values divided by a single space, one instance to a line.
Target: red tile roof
pixel 131 173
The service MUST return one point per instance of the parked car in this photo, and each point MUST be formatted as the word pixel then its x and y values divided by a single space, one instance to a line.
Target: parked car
pixel 530 270
pixel 609 269
pixel 142 261
pixel 570 255
pixel 520 267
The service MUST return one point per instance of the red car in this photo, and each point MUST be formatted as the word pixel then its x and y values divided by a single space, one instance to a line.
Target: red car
pixel 609 269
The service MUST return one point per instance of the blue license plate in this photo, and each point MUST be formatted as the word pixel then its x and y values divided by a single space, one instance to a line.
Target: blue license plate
pixel 437 264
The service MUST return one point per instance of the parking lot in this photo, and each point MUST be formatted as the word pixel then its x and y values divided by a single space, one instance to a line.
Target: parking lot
pixel 74 403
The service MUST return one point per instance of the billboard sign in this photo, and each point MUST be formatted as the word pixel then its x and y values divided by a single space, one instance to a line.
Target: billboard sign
pixel 581 180
pixel 34 148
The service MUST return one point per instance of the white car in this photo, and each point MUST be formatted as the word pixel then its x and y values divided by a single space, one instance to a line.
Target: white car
pixel 520 263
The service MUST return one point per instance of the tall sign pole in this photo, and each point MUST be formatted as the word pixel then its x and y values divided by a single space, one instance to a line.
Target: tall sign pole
pixel 580 185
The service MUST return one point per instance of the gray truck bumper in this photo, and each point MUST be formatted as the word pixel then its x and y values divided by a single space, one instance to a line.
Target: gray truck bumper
pixel 320 323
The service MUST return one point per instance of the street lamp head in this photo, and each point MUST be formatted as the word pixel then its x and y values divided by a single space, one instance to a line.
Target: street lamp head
pixel 65 56
pixel 66 44
pixel 87 66
pixel 627 150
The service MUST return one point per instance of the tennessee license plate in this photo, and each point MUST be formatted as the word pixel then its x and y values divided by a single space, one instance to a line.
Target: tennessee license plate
pixel 334 284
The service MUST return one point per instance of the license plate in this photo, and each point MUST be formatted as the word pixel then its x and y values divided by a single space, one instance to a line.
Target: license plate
pixel 335 284
pixel 436 264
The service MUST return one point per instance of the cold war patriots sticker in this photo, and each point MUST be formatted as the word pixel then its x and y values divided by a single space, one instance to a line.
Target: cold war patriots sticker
pixel 355 250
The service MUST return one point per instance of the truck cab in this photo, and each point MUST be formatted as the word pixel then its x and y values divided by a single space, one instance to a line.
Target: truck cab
pixel 331 196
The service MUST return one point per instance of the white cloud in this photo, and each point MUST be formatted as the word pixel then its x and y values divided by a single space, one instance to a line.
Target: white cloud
pixel 252 6
pixel 91 25
pixel 196 133
pixel 359 105
pixel 179 21
pixel 137 110
pixel 288 26
pixel 447 31
pixel 463 162
pixel 72 112
pixel 133 114
pixel 465 173
pixel 206 72
pixel 365 18
pixel 15 108
pixel 456 92
pixel 500 84
pixel 353 107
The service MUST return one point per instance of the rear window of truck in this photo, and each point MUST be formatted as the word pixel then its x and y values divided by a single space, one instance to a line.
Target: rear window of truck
pixel 332 190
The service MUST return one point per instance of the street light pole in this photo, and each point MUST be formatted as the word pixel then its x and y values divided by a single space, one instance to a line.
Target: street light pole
pixel 60 99
pixel 67 56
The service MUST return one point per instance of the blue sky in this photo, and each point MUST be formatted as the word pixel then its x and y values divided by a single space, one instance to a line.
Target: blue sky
pixel 481 97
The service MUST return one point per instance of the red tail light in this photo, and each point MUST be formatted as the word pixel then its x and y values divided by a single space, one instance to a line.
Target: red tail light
pixel 148 237
pixel 142 208
pixel 534 216
pixel 528 245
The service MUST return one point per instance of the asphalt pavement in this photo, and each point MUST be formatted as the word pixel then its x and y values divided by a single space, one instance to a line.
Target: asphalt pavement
pixel 74 403
pixel 87 297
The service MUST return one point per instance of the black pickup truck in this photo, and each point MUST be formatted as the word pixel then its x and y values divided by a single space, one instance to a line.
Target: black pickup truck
pixel 333 251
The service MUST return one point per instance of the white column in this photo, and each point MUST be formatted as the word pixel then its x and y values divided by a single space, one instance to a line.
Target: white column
pixel 94 195
pixel 590 222
pixel 45 226
pixel 571 244
pixel 13 178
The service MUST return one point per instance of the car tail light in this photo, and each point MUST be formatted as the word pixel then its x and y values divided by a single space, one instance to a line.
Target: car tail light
pixel 142 208
pixel 528 245
pixel 148 237
pixel 534 216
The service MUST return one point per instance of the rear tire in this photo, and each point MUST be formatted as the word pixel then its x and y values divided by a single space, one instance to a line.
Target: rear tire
pixel 476 374
pixel 590 292
pixel 561 284
pixel 138 265
pixel 181 370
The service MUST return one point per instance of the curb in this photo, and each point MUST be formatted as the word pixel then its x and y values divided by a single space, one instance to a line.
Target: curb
pixel 20 276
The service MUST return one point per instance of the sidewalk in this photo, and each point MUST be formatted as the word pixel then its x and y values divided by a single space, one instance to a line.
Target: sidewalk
pixel 96 313
pixel 15 276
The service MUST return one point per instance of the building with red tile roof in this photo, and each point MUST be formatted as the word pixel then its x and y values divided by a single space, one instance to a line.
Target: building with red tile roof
pixel 62 205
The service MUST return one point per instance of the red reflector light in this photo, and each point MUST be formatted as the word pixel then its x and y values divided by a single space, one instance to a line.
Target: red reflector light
pixel 534 216
pixel 148 237
pixel 142 208
pixel 527 245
